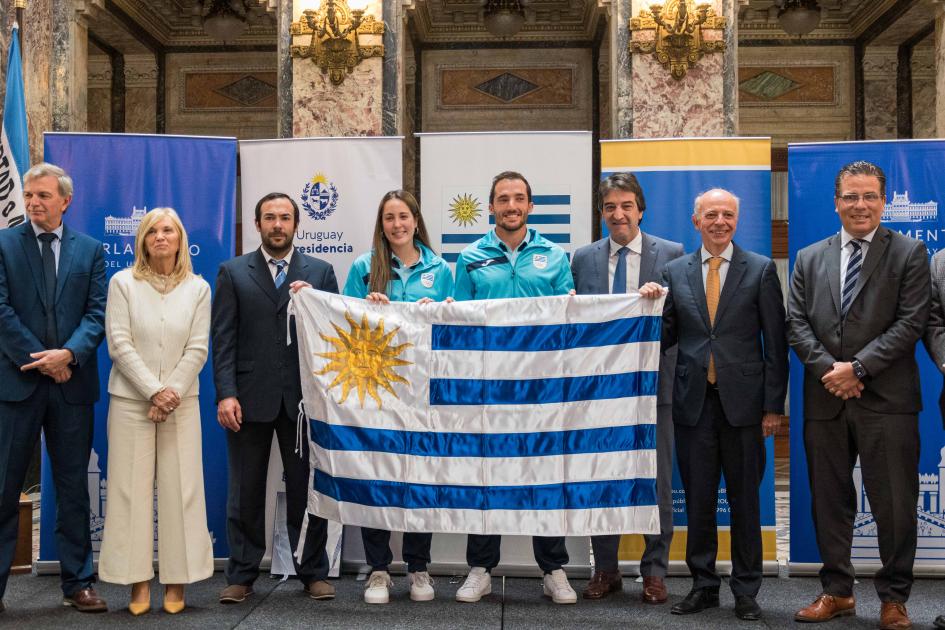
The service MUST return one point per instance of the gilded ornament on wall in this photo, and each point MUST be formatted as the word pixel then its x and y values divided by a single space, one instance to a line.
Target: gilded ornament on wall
pixel 678 27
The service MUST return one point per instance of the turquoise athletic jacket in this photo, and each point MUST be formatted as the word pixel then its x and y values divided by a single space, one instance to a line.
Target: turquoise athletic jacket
pixel 429 277
pixel 486 269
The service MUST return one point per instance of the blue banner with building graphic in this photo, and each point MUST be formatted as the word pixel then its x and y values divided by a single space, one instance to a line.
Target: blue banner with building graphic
pixel 915 190
pixel 118 178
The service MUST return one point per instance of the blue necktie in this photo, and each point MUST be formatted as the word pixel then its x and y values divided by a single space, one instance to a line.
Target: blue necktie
pixel 853 273
pixel 49 282
pixel 620 273
pixel 280 271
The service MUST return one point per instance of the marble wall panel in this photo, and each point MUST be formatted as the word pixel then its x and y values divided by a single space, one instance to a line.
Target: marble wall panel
pixel 99 109
pixel 879 90
pixel 923 91
pixel 354 108
pixel 817 113
pixel 452 102
pixel 207 111
pixel 783 85
pixel 664 107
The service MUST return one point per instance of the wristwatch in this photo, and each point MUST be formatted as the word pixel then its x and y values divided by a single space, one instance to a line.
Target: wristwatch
pixel 858 369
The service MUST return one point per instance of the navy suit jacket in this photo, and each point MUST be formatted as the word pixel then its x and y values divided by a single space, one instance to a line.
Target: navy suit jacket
pixel 748 340
pixel 590 269
pixel 80 311
pixel 251 360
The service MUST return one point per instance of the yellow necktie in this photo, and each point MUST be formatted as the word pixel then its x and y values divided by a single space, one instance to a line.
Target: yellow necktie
pixel 712 285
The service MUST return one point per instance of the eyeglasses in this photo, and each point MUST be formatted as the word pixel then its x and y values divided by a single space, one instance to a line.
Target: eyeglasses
pixel 852 198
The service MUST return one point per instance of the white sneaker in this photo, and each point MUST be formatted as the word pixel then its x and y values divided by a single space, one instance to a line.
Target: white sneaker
pixel 421 586
pixel 377 590
pixel 556 587
pixel 477 584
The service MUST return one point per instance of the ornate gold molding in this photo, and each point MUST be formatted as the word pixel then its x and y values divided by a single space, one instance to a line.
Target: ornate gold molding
pixel 678 39
pixel 335 44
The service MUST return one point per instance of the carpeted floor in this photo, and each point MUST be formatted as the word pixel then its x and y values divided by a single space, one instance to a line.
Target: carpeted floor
pixel 35 602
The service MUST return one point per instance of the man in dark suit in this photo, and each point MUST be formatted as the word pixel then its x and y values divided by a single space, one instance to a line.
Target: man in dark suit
pixel 858 304
pixel 934 340
pixel 258 391
pixel 52 314
pixel 626 261
pixel 725 311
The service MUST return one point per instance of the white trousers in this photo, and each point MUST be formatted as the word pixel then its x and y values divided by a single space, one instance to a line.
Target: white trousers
pixel 137 448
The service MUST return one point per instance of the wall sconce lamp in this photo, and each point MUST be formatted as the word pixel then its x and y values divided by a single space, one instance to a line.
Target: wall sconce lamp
pixel 677 25
pixel 335 46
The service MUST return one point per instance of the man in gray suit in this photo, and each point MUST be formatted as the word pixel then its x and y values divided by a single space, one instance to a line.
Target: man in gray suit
pixel 934 340
pixel 625 261
pixel 858 304
pixel 258 392
pixel 725 312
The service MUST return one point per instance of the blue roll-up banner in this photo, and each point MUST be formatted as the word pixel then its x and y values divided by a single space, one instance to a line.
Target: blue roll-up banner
pixel 672 173
pixel 119 177
pixel 914 186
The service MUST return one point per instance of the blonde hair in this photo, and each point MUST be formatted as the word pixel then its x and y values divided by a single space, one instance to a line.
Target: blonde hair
pixel 182 266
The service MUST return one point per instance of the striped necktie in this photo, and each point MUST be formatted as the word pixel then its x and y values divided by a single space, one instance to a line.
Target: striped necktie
pixel 853 273
pixel 280 271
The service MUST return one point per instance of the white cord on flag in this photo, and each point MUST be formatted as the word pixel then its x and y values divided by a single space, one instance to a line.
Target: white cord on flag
pixel 302 532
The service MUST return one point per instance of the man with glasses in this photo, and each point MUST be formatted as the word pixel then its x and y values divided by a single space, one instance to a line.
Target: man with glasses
pixel 858 303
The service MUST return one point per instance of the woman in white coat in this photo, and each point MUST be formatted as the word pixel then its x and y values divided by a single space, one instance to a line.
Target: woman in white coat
pixel 157 323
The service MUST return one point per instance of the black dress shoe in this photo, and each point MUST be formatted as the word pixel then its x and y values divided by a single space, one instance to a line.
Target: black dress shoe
pixel 939 622
pixel 746 608
pixel 697 600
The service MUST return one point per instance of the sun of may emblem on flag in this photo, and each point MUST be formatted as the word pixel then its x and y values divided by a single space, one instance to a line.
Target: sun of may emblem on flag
pixel 465 210
pixel 319 197
pixel 364 359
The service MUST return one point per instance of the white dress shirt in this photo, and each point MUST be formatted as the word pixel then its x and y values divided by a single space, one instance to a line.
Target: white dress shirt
pixel 726 257
pixel 273 270
pixel 846 251
pixel 633 262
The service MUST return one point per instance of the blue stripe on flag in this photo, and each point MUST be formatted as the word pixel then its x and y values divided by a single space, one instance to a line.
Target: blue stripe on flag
pixel 551 200
pixel 431 444
pixel 464 391
pixel 449 257
pixel 582 495
pixel 542 219
pixel 550 337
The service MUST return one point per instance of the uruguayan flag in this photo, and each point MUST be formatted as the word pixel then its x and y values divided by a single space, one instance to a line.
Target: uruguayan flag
pixel 518 416
pixel 551 216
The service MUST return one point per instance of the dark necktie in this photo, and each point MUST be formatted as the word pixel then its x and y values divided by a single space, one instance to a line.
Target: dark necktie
pixel 49 280
pixel 853 273
pixel 280 271
pixel 620 273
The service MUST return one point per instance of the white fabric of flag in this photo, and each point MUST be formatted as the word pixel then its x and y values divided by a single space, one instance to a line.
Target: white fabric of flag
pixel 14 144
pixel 516 416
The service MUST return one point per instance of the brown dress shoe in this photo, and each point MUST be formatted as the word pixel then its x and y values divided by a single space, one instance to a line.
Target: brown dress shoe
pixel 85 600
pixel 893 616
pixel 235 593
pixel 654 590
pixel 825 608
pixel 320 589
pixel 603 584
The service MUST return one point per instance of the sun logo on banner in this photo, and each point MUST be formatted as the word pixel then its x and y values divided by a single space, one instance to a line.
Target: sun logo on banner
pixel 465 210
pixel 364 359
pixel 319 197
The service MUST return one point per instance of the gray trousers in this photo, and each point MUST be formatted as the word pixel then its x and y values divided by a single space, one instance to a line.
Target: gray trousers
pixel 655 559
